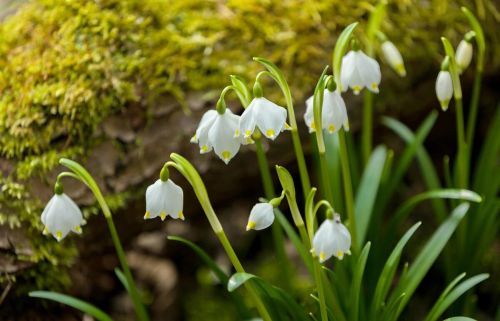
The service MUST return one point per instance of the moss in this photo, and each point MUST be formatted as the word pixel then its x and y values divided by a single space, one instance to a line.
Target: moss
pixel 65 66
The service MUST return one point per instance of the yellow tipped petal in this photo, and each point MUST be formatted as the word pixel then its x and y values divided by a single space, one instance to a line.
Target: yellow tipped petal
pixel 322 256
pixel 45 231
pixel 226 155
pixel 251 225
pixel 356 89
pixel 288 127
pixel 248 133
pixel 204 149
pixel 147 215
pixel 313 125
pixel 59 235
pixel 181 215
pixel 401 70
pixel 374 86
pixel 331 129
pixel 77 229
pixel 340 255
pixel 163 216
pixel 270 133
pixel 237 133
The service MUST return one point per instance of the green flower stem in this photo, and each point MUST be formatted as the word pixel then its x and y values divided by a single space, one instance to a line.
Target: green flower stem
pixel 265 172
pixel 346 175
pixel 367 129
pixel 276 74
pixel 462 145
pixel 318 276
pixel 474 103
pixel 189 172
pixel 84 176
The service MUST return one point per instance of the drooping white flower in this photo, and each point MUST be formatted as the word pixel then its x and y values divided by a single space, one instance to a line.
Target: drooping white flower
pixel 261 217
pixel 60 216
pixel 393 57
pixel 221 133
pixel 331 239
pixel 164 198
pixel 359 71
pixel 264 114
pixel 444 88
pixel 333 113
pixel 463 55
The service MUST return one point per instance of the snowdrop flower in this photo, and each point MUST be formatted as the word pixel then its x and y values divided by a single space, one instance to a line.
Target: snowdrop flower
pixel 264 114
pixel 444 88
pixel 220 131
pixel 463 55
pixel 261 216
pixel 359 71
pixel 164 198
pixel 333 113
pixel 393 57
pixel 331 239
pixel 61 215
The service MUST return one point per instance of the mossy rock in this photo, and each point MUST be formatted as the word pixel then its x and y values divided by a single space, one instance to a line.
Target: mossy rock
pixel 67 66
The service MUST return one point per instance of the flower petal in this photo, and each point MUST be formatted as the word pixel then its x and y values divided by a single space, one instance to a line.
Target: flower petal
pixel 270 117
pixel 261 216
pixel 221 137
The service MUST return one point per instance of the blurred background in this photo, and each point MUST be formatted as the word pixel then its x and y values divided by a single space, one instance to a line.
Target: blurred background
pixel 119 85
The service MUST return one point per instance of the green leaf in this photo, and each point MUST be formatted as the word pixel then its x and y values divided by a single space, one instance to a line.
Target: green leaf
pixel 238 279
pixel 72 302
pixel 427 256
pixel 457 194
pixel 356 282
pixel 367 192
pixel 339 51
pixel 427 168
pixel 460 319
pixel 450 296
pixel 286 180
pixel 221 275
pixel 388 272
pixel 122 278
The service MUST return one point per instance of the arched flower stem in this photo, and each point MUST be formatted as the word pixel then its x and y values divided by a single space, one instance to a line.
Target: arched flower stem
pixel 81 174
pixel 184 167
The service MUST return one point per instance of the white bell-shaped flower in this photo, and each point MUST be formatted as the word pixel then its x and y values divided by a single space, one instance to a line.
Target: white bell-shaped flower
pixel 261 217
pixel 331 239
pixel 393 57
pixel 221 133
pixel 60 216
pixel 463 55
pixel 444 88
pixel 359 71
pixel 264 114
pixel 333 113
pixel 164 198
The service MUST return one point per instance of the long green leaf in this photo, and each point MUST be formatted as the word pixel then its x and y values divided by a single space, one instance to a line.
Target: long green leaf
pixel 427 256
pixel 367 191
pixel 356 282
pixel 444 302
pixel 72 302
pixel 388 272
pixel 427 168
pixel 458 194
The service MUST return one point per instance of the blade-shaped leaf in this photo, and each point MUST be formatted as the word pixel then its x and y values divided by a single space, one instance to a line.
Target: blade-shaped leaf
pixel 427 256
pixel 367 191
pixel 72 302
pixel 356 282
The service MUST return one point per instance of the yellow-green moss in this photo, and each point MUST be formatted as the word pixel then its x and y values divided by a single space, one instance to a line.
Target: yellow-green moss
pixel 67 65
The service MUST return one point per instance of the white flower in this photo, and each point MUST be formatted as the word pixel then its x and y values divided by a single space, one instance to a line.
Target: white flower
pixel 393 57
pixel 164 198
pixel 334 113
pixel 221 133
pixel 463 55
pixel 261 217
pixel 332 238
pixel 359 71
pixel 60 216
pixel 266 115
pixel 444 88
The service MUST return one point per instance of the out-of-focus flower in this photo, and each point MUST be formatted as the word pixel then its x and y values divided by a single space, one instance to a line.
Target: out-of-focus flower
pixel 444 88
pixel 393 57
pixel 463 55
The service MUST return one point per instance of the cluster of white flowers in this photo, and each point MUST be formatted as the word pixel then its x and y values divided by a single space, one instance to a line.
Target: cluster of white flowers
pixel 225 132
